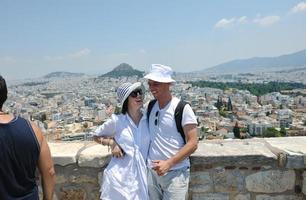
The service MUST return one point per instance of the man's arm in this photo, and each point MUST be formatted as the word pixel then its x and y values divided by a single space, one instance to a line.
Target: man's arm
pixel 163 166
pixel 45 165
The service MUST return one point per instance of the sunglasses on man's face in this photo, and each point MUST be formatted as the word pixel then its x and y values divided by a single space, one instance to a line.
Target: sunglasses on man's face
pixel 135 93
pixel 157 116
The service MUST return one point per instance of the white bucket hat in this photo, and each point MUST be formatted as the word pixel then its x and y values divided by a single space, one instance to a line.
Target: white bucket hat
pixel 125 90
pixel 160 73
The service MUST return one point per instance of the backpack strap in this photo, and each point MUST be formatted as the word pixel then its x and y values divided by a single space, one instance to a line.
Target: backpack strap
pixel 150 106
pixel 178 115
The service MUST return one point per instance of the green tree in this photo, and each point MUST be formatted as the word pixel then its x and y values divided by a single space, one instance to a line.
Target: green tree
pixel 203 132
pixel 229 104
pixel 43 117
pixel 283 132
pixel 219 103
pixel 244 130
pixel 236 130
pixel 257 89
pixel 223 112
pixel 271 132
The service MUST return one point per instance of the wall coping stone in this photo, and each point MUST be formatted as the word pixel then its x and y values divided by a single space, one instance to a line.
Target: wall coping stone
pixel 247 152
pixel 65 153
pixel 294 147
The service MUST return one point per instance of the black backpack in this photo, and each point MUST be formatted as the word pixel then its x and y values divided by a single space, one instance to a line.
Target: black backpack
pixel 178 115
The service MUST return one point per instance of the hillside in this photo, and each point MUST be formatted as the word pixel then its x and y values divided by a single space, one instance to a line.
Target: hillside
pixel 62 74
pixel 123 70
pixel 261 64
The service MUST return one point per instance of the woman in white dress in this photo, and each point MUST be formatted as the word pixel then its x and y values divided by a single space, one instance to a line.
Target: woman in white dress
pixel 125 177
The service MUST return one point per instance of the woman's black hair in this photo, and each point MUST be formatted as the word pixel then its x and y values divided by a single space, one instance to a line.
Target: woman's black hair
pixel 125 106
pixel 3 92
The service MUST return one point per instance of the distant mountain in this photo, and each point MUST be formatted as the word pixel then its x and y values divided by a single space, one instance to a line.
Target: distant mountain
pixel 62 74
pixel 261 64
pixel 123 70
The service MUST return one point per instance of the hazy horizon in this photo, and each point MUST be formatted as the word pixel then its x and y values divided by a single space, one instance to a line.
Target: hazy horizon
pixel 93 37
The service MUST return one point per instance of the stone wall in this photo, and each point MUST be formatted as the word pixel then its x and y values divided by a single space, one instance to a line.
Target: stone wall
pixel 252 169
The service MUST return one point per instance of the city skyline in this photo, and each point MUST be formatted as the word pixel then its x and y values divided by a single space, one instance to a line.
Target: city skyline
pixel 95 36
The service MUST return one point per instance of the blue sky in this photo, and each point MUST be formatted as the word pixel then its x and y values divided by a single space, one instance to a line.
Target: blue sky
pixel 94 36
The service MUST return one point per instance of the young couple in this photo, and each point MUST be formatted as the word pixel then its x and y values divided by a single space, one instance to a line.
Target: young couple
pixel 155 159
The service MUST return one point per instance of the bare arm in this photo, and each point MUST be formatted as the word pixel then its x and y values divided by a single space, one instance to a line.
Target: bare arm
pixel 163 166
pixel 104 140
pixel 45 165
pixel 104 135
pixel 111 142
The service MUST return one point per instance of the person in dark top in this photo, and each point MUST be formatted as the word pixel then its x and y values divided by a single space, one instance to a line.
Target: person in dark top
pixel 23 148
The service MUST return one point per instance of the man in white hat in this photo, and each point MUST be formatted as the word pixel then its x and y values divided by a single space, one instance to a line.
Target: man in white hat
pixel 168 158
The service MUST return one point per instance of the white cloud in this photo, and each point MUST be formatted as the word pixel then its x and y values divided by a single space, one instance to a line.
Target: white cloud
pixel 262 21
pixel 266 21
pixel 223 23
pixel 300 7
pixel 81 53
pixel 242 20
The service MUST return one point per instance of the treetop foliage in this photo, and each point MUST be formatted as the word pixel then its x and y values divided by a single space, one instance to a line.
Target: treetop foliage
pixel 257 89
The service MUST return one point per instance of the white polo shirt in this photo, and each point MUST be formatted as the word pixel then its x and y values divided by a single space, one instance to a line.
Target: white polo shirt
pixel 166 141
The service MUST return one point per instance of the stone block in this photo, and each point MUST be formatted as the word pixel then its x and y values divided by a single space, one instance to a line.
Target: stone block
pixel 243 197
pixel 291 145
pixel 94 194
pixel 272 181
pixel 233 153
pixel 65 153
pixel 82 179
pixel 72 193
pixel 96 156
pixel 210 196
pixel 60 179
pixel 279 197
pixel 229 180
pixel 295 162
pixel 201 182
pixel 200 167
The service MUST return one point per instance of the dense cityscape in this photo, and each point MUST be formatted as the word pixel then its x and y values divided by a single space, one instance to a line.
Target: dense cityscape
pixel 70 107
pixel 149 100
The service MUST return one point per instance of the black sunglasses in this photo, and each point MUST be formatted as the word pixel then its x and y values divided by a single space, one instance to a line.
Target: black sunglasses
pixel 136 92
pixel 156 120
